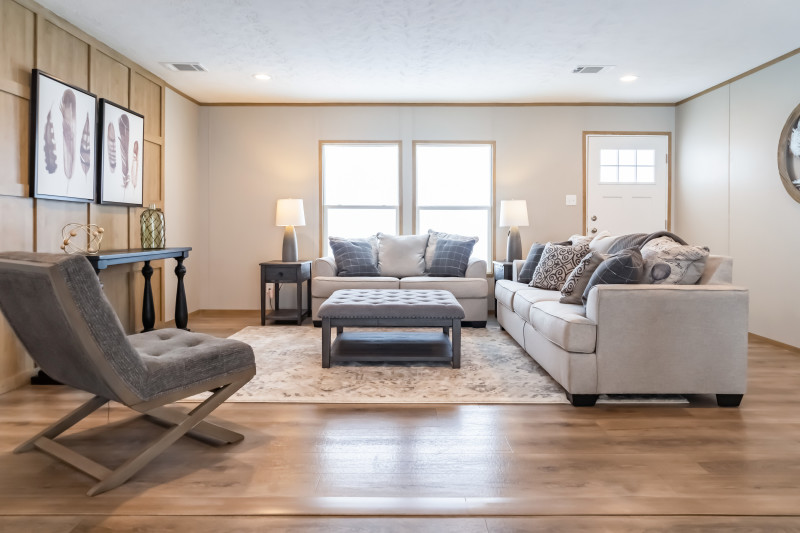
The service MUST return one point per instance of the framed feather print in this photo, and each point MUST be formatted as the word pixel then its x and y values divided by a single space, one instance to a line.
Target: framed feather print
pixel 63 124
pixel 120 155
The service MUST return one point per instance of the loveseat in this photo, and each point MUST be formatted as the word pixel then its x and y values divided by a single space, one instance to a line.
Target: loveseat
pixel 404 262
pixel 635 338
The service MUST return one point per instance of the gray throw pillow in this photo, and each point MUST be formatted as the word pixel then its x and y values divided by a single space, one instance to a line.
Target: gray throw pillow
pixel 624 242
pixel 532 261
pixel 354 257
pixel 401 256
pixel 572 291
pixel 556 264
pixel 623 267
pixel 451 257
pixel 433 238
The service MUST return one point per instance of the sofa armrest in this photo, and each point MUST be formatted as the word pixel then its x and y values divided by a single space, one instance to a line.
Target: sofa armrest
pixel 670 338
pixel 476 268
pixel 323 266
pixel 516 266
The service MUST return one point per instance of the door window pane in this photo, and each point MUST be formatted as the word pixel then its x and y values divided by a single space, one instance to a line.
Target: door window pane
pixel 627 157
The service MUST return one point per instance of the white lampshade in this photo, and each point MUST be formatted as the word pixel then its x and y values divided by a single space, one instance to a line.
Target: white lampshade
pixel 513 213
pixel 290 212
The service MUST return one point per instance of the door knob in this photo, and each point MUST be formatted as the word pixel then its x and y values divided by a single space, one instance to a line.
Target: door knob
pixel 594 217
pixel 594 230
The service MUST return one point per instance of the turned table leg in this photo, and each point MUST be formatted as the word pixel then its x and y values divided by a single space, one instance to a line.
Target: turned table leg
pixel 181 310
pixel 148 309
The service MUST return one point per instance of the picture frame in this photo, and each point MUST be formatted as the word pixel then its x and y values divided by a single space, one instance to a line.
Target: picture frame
pixel 120 155
pixel 789 155
pixel 62 140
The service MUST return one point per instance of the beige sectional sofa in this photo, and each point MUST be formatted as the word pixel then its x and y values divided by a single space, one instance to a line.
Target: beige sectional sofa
pixel 636 339
pixel 471 291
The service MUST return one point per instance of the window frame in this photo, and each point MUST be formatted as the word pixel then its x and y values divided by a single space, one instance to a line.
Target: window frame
pixel 323 207
pixel 491 223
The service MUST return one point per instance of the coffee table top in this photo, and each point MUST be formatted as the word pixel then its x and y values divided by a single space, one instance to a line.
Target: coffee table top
pixel 391 303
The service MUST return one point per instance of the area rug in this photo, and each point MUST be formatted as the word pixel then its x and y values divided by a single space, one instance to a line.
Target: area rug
pixel 494 370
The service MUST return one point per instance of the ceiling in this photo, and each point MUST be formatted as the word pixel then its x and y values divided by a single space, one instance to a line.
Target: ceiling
pixel 434 51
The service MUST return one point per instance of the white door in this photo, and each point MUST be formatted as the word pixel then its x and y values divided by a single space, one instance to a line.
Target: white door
pixel 627 189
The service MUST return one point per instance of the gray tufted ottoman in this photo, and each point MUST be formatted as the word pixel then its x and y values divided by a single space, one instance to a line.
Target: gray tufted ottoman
pixel 391 308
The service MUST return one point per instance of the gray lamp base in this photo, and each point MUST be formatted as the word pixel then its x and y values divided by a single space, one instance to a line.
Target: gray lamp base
pixel 514 245
pixel 289 254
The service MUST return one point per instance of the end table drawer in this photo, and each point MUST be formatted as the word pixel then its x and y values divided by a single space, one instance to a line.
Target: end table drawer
pixel 279 274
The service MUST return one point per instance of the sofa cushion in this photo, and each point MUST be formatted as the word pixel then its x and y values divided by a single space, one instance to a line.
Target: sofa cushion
pixel 556 264
pixel 669 262
pixel 524 300
pixel 433 239
pixel 505 289
pixel 460 287
pixel 565 325
pixel 452 257
pixel 401 255
pixel 323 286
pixel 354 257
pixel 622 267
pixel 572 291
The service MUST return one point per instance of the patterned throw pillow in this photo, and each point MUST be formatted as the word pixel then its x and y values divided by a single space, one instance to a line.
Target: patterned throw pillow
pixel 572 291
pixel 354 257
pixel 451 257
pixel 532 261
pixel 668 262
pixel 623 267
pixel 556 264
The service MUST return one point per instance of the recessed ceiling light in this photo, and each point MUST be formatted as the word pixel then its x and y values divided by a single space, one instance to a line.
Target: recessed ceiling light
pixel 628 78
pixel 262 77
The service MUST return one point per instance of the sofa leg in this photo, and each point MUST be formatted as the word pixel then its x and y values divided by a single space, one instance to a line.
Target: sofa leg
pixel 729 400
pixel 582 400
pixel 478 323
pixel 317 323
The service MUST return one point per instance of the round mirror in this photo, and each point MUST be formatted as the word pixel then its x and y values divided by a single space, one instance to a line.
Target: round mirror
pixel 789 155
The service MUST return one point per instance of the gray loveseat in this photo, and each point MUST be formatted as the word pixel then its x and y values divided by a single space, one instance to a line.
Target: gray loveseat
pixel 636 339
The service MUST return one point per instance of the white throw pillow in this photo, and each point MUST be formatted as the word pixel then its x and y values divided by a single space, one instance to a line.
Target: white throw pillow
pixel 667 262
pixel 401 256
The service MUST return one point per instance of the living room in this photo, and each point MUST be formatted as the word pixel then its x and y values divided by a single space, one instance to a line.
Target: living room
pixel 217 159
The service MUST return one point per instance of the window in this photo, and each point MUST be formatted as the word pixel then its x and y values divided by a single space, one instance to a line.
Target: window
pixel 627 166
pixel 453 186
pixel 360 189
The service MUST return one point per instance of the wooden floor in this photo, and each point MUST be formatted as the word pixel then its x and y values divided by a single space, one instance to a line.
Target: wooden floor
pixel 462 468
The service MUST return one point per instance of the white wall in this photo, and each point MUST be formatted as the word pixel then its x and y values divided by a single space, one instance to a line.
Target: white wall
pixel 256 155
pixel 730 189
pixel 186 201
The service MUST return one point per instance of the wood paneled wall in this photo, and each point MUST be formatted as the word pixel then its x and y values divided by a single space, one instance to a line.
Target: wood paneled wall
pixel 33 37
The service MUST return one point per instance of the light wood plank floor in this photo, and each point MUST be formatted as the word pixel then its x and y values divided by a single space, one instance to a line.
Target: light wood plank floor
pixel 425 467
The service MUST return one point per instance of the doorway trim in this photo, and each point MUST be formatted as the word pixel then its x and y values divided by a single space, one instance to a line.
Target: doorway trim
pixel 630 134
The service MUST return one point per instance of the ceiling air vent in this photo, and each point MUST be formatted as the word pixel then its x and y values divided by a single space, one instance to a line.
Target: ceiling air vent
pixel 185 66
pixel 591 69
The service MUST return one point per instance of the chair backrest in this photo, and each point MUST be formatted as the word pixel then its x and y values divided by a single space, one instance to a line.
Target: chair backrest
pixel 55 305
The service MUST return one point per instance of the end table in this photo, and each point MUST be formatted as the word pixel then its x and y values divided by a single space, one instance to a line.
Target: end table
pixel 502 270
pixel 278 272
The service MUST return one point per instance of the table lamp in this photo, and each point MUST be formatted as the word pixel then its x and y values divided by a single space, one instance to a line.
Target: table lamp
pixel 290 214
pixel 513 213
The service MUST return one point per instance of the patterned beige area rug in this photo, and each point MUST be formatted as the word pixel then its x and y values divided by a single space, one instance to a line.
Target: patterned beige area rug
pixel 494 369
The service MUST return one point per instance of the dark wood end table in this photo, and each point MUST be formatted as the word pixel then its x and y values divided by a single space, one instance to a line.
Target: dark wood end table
pixel 278 272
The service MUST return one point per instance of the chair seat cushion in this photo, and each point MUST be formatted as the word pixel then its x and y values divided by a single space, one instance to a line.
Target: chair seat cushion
pixel 459 287
pixel 565 325
pixel 176 359
pixel 324 286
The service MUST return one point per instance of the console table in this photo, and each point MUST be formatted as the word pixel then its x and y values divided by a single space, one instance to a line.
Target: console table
pixel 106 259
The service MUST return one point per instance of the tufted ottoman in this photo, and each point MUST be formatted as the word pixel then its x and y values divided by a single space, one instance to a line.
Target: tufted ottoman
pixel 391 308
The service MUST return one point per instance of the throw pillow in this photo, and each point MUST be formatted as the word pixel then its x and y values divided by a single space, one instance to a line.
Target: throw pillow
pixel 632 240
pixel 580 239
pixel 354 257
pixel 572 291
pixel 433 239
pixel 669 262
pixel 532 261
pixel 452 257
pixel 400 256
pixel 556 264
pixel 621 268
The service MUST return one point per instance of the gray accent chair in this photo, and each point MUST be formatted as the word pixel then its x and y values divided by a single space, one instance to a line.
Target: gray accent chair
pixel 56 307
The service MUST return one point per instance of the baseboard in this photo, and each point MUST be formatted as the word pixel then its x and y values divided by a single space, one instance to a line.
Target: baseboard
pixel 16 381
pixel 246 313
pixel 753 336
